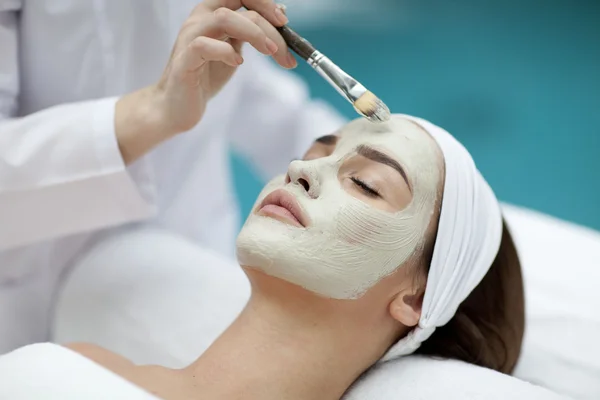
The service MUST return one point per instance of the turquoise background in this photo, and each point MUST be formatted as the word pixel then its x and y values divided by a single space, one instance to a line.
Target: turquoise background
pixel 517 82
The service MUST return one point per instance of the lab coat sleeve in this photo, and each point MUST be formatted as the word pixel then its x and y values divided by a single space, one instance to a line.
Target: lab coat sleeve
pixel 277 120
pixel 61 171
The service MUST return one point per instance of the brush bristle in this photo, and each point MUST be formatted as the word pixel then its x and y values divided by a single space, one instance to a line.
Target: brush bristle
pixel 372 108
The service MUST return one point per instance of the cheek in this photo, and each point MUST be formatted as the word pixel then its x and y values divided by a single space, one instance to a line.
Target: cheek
pixel 357 223
pixel 360 224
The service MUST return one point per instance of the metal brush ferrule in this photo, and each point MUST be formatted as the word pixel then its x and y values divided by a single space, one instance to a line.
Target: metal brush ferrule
pixel 348 87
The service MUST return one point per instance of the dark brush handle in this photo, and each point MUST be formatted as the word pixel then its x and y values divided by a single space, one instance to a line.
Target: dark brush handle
pixel 297 43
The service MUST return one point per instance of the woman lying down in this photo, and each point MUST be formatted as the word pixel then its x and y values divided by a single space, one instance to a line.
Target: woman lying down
pixel 384 240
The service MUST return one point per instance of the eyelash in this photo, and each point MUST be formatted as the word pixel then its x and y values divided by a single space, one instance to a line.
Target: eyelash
pixel 366 188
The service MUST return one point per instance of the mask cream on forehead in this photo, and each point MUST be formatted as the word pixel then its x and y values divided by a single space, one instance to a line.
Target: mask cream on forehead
pixel 349 245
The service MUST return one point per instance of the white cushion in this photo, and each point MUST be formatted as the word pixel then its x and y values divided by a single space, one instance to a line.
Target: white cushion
pixel 427 379
pixel 133 296
pixel 561 265
pixel 150 296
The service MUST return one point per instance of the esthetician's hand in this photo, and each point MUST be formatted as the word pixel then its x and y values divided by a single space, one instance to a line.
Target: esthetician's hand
pixel 205 56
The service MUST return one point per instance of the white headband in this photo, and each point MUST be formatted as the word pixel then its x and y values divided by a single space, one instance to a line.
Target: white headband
pixel 467 242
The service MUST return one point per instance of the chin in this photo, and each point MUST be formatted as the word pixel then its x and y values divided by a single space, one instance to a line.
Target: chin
pixel 280 289
pixel 296 255
pixel 263 239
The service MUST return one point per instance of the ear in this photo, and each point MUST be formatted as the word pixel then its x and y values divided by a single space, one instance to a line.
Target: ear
pixel 406 307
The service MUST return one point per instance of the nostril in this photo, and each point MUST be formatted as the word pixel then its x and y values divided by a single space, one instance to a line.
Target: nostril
pixel 304 183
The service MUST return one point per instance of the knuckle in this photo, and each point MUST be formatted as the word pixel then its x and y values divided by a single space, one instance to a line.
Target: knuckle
pixel 253 16
pixel 222 15
pixel 199 43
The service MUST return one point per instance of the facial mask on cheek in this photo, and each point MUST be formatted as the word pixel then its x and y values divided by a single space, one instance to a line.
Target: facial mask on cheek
pixel 349 245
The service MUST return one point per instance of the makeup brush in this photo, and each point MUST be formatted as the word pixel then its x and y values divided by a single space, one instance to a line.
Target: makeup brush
pixel 365 102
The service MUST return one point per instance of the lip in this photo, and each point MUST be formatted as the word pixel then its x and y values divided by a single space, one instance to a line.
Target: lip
pixel 283 206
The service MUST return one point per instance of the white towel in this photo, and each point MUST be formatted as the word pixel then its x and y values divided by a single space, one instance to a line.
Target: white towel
pixel 51 372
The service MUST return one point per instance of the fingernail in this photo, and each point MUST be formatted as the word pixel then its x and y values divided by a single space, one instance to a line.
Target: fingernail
pixel 239 59
pixel 281 15
pixel 291 61
pixel 272 46
pixel 282 7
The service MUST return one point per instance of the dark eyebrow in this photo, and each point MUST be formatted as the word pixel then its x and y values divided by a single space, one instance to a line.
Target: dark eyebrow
pixel 383 158
pixel 327 140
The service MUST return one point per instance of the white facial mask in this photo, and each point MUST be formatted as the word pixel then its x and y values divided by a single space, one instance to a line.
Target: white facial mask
pixel 349 245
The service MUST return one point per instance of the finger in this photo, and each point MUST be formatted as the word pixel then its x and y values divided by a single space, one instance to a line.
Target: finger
pixel 267 8
pixel 230 24
pixel 203 49
pixel 282 55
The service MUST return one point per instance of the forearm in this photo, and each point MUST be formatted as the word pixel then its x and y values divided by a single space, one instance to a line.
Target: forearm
pixel 139 125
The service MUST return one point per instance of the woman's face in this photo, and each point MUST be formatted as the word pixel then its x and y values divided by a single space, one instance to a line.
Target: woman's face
pixel 350 213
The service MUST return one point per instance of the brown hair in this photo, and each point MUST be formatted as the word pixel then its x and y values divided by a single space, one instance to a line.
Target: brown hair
pixel 487 329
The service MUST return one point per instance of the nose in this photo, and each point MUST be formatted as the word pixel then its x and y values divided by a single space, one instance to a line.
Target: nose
pixel 304 174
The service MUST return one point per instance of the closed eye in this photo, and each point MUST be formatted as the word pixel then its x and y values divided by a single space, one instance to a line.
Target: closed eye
pixel 365 188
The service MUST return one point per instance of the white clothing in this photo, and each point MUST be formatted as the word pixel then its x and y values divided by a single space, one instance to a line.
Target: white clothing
pixel 62 64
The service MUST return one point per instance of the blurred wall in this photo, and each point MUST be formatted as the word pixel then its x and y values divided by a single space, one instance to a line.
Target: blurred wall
pixel 517 82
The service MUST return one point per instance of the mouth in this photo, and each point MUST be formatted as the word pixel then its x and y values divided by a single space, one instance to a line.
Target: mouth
pixel 284 207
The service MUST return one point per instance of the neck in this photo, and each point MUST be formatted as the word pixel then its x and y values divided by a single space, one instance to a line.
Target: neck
pixel 287 344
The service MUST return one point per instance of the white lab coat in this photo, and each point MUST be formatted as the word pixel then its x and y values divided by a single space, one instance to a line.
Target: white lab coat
pixel 62 180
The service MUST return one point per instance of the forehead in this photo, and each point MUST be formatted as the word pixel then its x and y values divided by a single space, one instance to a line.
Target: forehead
pixel 398 137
